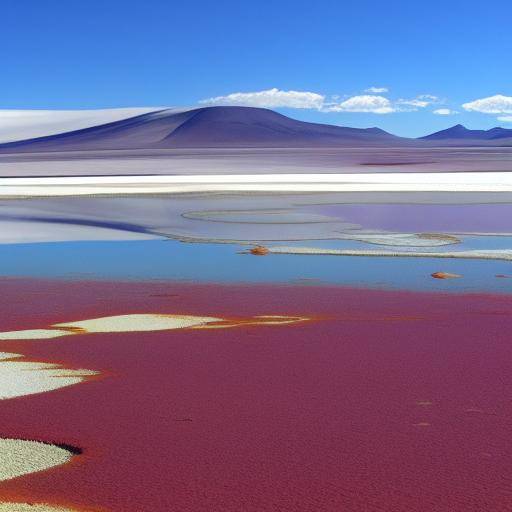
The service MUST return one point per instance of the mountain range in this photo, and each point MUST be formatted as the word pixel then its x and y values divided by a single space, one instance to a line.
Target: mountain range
pixel 239 127
pixel 460 132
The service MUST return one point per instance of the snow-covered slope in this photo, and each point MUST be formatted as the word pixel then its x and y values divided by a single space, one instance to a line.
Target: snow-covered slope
pixel 28 124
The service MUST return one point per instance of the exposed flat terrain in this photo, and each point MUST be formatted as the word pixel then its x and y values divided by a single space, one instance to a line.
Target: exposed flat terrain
pixel 255 160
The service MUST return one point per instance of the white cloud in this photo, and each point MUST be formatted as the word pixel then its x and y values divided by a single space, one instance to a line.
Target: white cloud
pixel 376 90
pixel 444 112
pixel 429 97
pixel 497 104
pixel 505 119
pixel 271 98
pixel 421 101
pixel 364 103
pixel 413 103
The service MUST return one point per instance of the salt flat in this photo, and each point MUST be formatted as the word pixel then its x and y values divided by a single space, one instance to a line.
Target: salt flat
pixel 319 182
pixel 254 161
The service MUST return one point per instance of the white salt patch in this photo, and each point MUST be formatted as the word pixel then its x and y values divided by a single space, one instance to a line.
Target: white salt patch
pixel 19 457
pixel 138 322
pixel 143 322
pixel 22 378
pixel 398 239
pixel 31 507
pixel 33 334
pixel 309 183
pixel 492 254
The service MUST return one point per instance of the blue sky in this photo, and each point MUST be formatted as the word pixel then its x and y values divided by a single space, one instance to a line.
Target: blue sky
pixel 74 54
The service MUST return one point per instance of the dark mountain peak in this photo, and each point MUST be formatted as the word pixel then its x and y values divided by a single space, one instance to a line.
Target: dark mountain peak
pixel 498 132
pixel 375 129
pixel 456 131
pixel 459 131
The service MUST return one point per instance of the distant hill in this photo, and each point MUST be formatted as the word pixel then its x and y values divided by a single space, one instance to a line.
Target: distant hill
pixel 239 127
pixel 461 133
pixel 207 127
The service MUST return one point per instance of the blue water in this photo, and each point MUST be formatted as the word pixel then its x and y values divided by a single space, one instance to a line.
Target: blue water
pixel 171 260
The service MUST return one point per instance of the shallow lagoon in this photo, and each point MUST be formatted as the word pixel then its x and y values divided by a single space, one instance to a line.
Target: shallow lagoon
pixel 172 260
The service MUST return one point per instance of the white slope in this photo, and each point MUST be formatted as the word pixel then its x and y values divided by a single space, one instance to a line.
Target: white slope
pixel 27 124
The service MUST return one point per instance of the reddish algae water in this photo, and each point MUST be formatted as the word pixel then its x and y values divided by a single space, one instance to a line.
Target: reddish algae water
pixel 385 401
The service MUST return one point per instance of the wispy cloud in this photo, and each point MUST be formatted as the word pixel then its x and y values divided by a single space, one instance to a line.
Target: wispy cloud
pixel 421 101
pixel 498 104
pixel 444 112
pixel 505 119
pixel 364 103
pixel 270 98
pixel 377 90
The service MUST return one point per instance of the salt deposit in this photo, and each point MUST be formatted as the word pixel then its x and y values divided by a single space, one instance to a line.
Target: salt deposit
pixel 21 378
pixel 19 457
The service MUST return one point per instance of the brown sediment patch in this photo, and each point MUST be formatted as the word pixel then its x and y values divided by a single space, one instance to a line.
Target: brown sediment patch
pixel 445 275
pixel 259 250
pixel 439 236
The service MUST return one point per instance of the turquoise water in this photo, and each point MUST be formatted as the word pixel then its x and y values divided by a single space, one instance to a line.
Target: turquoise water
pixel 171 260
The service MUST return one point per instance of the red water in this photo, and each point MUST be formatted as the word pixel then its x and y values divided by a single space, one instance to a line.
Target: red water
pixel 387 401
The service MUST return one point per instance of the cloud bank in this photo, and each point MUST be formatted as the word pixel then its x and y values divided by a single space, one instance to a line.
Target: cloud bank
pixel 497 104
pixel 364 103
pixel 371 102
pixel 270 98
